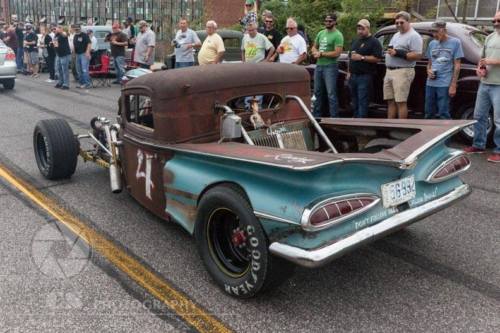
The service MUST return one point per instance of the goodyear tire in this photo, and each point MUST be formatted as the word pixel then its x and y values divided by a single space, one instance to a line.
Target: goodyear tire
pixel 56 148
pixel 234 246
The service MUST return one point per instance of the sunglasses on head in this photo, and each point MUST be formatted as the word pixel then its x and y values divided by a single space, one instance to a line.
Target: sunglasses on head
pixel 495 21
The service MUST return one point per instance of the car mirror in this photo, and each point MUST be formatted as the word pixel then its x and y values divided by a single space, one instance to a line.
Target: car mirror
pixel 231 126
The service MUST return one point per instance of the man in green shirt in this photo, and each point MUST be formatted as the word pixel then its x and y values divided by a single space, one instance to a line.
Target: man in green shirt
pixel 327 47
pixel 488 94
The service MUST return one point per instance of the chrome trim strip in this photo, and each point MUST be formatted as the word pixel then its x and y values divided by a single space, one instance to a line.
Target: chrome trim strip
pixel 274 218
pixel 308 211
pixel 455 155
pixel 321 256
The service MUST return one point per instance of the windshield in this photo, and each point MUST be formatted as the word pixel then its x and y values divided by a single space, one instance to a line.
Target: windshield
pixel 478 38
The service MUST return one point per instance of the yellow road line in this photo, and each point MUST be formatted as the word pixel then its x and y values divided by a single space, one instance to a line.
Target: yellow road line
pixel 193 314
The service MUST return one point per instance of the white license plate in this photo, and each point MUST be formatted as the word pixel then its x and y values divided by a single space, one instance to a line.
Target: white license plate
pixel 398 192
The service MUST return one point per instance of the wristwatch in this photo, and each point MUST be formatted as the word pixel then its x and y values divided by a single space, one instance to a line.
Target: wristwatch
pixel 363 58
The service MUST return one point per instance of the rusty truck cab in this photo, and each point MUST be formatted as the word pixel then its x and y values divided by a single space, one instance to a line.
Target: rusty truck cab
pixel 168 108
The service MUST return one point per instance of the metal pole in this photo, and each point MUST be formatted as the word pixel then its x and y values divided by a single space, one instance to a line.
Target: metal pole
pixel 316 125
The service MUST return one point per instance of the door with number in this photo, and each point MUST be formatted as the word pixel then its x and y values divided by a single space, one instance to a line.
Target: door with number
pixel 142 161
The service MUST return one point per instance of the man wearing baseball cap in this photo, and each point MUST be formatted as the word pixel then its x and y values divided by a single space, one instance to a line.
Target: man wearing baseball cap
pixel 82 46
pixel 365 52
pixel 30 43
pixel 443 68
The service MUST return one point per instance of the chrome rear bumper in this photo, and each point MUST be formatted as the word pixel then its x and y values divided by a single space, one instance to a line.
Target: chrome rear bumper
pixel 321 256
pixel 8 70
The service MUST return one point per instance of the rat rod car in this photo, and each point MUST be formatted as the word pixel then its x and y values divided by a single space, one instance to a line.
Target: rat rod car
pixel 232 154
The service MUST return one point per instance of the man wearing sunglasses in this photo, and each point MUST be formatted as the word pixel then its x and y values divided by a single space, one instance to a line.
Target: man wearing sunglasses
pixel 488 94
pixel 293 48
pixel 366 52
pixel 327 47
pixel 272 34
pixel 405 48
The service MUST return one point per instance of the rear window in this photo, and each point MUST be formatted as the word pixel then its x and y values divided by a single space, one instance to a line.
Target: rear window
pixel 101 34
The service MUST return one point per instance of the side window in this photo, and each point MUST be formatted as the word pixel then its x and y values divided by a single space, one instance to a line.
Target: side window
pixel 232 43
pixel 264 102
pixel 139 110
pixel 426 39
pixel 384 40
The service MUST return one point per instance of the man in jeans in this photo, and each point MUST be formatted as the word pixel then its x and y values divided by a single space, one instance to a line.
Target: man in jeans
pixel 185 41
pixel 443 68
pixel 118 41
pixel 82 46
pixel 405 48
pixel 63 52
pixel 20 47
pixel 327 47
pixel 488 94
pixel 366 51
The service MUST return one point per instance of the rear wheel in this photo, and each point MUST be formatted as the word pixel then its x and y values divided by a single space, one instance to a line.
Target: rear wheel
pixel 467 134
pixel 9 84
pixel 56 148
pixel 233 245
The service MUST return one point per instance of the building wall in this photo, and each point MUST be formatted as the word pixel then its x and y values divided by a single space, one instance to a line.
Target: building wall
pixel 225 12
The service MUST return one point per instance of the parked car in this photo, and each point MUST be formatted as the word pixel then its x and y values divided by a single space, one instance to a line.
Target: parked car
pixel 8 68
pixel 462 105
pixel 232 43
pixel 265 188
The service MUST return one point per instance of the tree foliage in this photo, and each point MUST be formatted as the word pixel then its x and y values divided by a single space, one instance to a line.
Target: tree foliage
pixel 311 14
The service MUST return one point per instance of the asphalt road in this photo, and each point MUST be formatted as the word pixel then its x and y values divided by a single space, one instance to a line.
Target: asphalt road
pixel 439 275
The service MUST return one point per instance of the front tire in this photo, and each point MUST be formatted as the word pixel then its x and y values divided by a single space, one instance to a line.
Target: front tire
pixel 56 148
pixel 234 246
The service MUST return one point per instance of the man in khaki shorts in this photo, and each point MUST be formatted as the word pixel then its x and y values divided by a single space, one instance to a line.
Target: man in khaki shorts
pixel 404 49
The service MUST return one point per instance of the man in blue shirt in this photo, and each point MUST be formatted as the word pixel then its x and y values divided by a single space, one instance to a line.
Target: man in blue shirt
pixel 444 54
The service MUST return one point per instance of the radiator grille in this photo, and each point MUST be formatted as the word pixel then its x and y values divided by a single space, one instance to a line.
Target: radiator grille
pixel 289 136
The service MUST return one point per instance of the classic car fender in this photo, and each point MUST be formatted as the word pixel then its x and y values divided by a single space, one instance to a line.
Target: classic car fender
pixel 279 195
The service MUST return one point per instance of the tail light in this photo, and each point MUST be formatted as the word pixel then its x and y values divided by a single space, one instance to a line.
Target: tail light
pixel 336 210
pixel 10 56
pixel 450 168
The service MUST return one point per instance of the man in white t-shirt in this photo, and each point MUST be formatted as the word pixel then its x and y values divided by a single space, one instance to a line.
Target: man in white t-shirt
pixel 293 48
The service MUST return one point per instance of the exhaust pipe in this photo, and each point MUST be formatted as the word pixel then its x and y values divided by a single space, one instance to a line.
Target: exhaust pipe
pixel 115 179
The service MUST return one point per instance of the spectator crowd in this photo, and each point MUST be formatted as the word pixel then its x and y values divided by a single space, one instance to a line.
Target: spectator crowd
pixel 266 44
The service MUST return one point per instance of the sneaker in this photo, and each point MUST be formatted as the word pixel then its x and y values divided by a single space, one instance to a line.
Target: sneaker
pixel 473 150
pixel 495 158
pixel 49 81
pixel 58 86
pixel 64 87
pixel 88 86
pixel 79 86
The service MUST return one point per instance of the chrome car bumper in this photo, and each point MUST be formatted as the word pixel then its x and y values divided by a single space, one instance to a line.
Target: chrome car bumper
pixel 8 70
pixel 321 256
